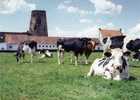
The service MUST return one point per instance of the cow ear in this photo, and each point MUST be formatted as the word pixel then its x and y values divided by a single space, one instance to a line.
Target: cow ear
pixel 104 40
pixel 127 53
pixel 123 36
pixel 107 54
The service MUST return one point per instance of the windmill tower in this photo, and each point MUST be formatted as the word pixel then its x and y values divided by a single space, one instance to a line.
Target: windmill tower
pixel 38 23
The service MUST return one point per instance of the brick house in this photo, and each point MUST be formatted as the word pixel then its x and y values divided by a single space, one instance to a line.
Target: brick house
pixel 12 39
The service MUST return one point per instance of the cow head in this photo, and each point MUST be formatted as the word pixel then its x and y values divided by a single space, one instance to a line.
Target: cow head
pixel 117 56
pixel 85 42
pixel 118 61
pixel 91 44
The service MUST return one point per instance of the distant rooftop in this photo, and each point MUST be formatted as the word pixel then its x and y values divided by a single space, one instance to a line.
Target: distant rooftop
pixel 110 33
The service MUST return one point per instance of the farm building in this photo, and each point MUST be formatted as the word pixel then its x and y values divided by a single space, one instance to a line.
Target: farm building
pixel 10 40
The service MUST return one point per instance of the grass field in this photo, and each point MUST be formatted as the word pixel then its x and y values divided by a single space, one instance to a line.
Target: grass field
pixel 46 80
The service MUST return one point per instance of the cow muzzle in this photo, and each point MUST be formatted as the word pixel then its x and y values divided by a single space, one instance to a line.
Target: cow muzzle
pixel 119 68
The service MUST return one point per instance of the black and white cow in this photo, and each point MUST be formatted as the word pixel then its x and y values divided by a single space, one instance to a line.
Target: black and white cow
pixel 112 42
pixel 124 42
pixel 114 66
pixel 136 56
pixel 45 53
pixel 78 46
pixel 133 45
pixel 26 47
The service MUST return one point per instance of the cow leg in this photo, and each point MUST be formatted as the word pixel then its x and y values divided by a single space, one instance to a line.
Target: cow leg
pixel 107 75
pixel 58 57
pixel 71 60
pixel 86 62
pixel 117 75
pixel 76 60
pixel 17 58
pixel 91 71
pixel 22 56
pixel 87 54
pixel 62 57
pixel 31 60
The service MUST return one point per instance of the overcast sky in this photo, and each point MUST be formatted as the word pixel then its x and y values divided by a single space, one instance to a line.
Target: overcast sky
pixel 73 17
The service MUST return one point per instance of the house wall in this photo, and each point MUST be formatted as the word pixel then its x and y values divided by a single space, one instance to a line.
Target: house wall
pixel 16 38
pixel 3 46
pixel 12 47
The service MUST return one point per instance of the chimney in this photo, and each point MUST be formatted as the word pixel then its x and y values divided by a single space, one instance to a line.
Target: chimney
pixel 100 29
pixel 120 30
pixel 38 23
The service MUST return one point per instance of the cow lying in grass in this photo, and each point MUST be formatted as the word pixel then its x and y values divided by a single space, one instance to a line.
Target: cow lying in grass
pixel 45 53
pixel 114 66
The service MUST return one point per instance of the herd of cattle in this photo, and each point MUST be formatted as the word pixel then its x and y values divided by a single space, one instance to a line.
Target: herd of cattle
pixel 112 65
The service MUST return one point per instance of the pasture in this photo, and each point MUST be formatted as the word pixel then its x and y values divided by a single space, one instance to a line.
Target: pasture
pixel 46 80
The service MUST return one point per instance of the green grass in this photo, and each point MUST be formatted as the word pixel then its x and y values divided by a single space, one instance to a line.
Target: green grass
pixel 46 80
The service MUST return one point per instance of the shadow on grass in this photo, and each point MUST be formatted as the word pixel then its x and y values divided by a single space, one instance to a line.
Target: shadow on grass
pixel 132 78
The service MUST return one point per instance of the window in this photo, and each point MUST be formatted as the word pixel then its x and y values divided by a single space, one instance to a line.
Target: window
pixel 10 47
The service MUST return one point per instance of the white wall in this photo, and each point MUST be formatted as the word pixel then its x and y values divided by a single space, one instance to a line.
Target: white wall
pixel 3 46
pixel 12 47
pixel 47 46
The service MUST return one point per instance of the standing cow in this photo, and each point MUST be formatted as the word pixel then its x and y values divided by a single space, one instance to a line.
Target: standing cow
pixel 113 66
pixel 26 47
pixel 132 45
pixel 78 46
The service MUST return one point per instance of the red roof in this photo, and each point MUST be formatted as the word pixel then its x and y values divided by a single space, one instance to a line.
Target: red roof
pixel 20 37
pixel 16 38
pixel 110 33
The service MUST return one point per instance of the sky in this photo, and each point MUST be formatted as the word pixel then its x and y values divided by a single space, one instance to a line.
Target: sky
pixel 75 18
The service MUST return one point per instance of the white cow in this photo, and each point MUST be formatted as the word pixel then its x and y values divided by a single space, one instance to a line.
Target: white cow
pixel 114 66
